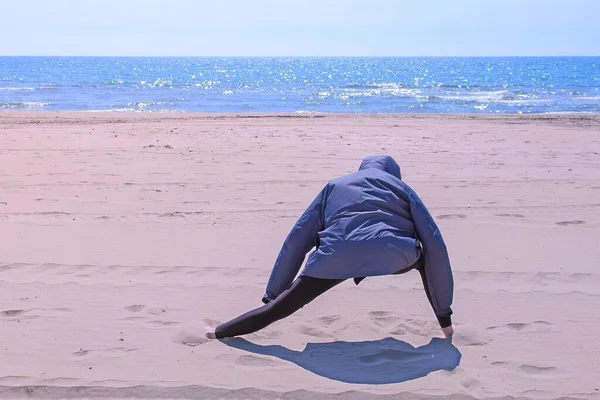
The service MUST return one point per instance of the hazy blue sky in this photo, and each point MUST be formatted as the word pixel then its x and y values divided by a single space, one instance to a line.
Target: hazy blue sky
pixel 299 27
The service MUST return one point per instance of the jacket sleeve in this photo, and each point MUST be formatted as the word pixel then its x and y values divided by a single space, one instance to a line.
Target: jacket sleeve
pixel 301 239
pixel 438 272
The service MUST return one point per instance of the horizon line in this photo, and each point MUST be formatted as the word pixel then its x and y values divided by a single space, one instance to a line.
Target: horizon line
pixel 302 56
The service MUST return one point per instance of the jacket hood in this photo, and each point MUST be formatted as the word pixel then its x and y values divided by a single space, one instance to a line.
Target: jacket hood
pixel 383 163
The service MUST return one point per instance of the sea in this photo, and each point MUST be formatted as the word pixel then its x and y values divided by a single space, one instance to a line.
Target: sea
pixel 374 85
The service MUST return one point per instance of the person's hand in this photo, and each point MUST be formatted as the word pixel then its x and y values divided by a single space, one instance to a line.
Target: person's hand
pixel 210 333
pixel 448 331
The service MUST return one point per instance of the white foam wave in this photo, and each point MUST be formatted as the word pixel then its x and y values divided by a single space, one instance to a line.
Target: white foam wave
pixel 133 110
pixel 16 89
pixel 157 83
pixel 483 97
pixel 493 97
pixel 588 98
pixel 569 112
pixel 424 95
pixel 27 105
pixel 142 105
pixel 388 85
pixel 388 91
pixel 113 110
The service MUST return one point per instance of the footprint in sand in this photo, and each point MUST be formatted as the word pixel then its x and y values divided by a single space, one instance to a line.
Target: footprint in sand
pixel 399 326
pixel 255 361
pixel 537 326
pixel 510 215
pixel 18 315
pixel 162 323
pixel 189 339
pixel 157 311
pixel 111 352
pixel 135 308
pixel 379 314
pixel 313 331
pixel 452 216
pixel 467 380
pixel 541 371
pixel 470 336
pixel 533 371
pixel 328 320
pixel 267 334
pixel 567 223
pixel 12 313
pixel 249 360
pixel 383 318
pixel 135 318
pixel 398 331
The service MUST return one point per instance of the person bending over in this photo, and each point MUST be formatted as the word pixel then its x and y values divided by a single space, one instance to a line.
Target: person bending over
pixel 368 223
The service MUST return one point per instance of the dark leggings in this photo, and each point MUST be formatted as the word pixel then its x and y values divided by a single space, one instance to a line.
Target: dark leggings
pixel 304 290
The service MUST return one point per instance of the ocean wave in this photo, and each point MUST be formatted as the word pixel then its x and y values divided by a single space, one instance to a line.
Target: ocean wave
pixel 356 86
pixel 419 84
pixel 457 86
pixel 160 82
pixel 432 95
pixel 593 99
pixel 140 105
pixel 16 89
pixel 382 85
pixel 310 112
pixel 87 85
pixel 570 112
pixel 113 110
pixel 28 89
pixel 490 96
pixel 134 110
pixel 206 85
pixel 496 97
pixel 435 95
pixel 114 82
pixel 346 94
pixel 27 105
pixel 396 85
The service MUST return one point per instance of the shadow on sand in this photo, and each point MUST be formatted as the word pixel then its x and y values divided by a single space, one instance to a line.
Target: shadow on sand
pixel 373 362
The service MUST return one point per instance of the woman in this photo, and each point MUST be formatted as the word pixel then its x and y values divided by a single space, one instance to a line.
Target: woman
pixel 369 223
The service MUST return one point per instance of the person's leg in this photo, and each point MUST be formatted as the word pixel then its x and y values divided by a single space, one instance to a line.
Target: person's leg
pixel 304 290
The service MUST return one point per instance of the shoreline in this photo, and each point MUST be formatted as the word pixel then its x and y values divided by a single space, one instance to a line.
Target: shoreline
pixel 301 114
pixel 286 113
pixel 86 117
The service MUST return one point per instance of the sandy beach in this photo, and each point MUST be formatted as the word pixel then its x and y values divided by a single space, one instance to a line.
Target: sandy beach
pixel 123 235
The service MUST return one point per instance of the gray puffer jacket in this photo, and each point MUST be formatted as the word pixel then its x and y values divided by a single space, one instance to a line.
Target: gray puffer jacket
pixel 368 223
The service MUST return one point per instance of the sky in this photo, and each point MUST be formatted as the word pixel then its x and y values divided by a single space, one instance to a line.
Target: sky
pixel 300 27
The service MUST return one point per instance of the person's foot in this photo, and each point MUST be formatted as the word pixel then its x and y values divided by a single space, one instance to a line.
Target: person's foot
pixel 448 331
pixel 210 333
